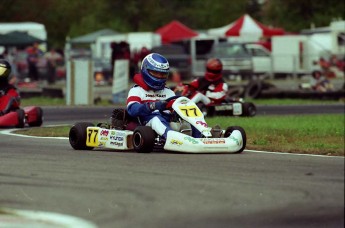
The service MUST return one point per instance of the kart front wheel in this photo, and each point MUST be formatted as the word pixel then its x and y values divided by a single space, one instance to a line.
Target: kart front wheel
pixel 249 109
pixel 21 118
pixel 228 132
pixel 143 139
pixel 77 136
pixel 39 118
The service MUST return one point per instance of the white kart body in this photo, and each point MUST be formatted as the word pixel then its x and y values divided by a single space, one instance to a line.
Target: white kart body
pixel 109 138
pixel 235 107
pixel 176 141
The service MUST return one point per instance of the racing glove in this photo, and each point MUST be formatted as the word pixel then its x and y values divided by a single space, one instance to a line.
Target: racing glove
pixel 158 105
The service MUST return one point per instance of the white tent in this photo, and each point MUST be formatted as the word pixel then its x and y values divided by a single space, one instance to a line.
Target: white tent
pixel 245 29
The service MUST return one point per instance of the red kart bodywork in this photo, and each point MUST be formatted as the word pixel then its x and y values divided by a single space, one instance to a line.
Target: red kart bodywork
pixel 18 117
pixel 11 119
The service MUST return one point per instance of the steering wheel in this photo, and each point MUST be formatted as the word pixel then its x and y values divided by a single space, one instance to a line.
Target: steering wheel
pixel 172 98
pixel 169 102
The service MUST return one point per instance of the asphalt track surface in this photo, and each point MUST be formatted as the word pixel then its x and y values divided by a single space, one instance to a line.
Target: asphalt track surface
pixel 57 115
pixel 160 189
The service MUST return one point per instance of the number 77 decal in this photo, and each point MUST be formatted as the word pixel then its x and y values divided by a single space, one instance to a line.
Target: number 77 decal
pixel 92 139
pixel 190 111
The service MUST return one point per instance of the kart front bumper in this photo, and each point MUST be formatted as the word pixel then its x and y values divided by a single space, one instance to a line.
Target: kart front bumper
pixel 179 142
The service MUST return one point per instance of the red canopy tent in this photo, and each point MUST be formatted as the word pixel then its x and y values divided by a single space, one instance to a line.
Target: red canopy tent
pixel 246 25
pixel 175 31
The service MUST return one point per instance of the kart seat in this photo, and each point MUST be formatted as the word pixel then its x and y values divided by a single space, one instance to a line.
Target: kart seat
pixel 121 120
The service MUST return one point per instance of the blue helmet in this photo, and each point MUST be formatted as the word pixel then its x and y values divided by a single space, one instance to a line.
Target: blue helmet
pixel 155 71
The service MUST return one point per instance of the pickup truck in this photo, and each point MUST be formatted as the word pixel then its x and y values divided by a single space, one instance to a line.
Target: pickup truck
pixel 236 59
pixel 177 56
pixel 189 57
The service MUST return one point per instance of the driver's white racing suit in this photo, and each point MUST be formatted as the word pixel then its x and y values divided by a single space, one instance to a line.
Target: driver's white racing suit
pixel 139 98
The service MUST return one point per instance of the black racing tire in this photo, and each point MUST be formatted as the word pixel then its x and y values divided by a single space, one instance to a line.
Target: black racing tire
pixel 207 111
pixel 228 132
pixel 39 120
pixel 253 89
pixel 210 111
pixel 248 109
pixel 143 139
pixel 21 118
pixel 77 136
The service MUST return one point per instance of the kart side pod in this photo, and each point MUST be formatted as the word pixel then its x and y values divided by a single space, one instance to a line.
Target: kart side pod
pixel 109 138
pixel 177 141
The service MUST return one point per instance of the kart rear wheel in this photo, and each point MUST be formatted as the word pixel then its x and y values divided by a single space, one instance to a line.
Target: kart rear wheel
pixel 77 136
pixel 228 132
pixel 249 109
pixel 39 120
pixel 21 118
pixel 143 139
pixel 206 110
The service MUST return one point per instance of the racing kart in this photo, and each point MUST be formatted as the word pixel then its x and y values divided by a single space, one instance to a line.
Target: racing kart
pixel 228 107
pixel 19 117
pixel 127 133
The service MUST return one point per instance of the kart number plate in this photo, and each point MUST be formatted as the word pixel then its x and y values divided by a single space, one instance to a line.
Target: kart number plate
pixel 237 109
pixel 190 111
pixel 223 107
pixel 92 137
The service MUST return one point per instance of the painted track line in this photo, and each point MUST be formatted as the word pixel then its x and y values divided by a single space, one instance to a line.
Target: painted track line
pixel 10 132
pixel 286 153
pixel 26 218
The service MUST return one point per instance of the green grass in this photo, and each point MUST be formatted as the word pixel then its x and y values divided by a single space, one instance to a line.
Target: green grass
pixel 43 101
pixel 56 131
pixel 47 101
pixel 316 134
pixel 277 101
pixel 312 134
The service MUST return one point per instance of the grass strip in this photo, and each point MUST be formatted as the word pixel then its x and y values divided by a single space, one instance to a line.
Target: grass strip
pixel 312 134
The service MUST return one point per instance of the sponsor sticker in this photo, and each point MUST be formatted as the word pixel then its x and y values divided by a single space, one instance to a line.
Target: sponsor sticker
pixel 235 139
pixel 116 144
pixel 155 95
pixel 190 139
pixel 116 138
pixel 201 123
pixel 104 133
pixel 176 142
pixel 213 141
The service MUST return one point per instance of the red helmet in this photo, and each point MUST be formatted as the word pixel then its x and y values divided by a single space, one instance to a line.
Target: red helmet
pixel 214 69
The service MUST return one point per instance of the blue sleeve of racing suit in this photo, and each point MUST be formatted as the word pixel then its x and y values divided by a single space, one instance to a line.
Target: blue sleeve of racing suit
pixel 137 109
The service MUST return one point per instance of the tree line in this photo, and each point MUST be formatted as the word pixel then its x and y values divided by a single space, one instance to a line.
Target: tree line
pixel 72 18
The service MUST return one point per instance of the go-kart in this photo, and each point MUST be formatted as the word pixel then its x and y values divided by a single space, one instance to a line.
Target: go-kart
pixel 227 107
pixel 19 117
pixel 128 133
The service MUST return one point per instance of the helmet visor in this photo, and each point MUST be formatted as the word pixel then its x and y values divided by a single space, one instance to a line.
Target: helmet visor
pixel 214 71
pixel 158 74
